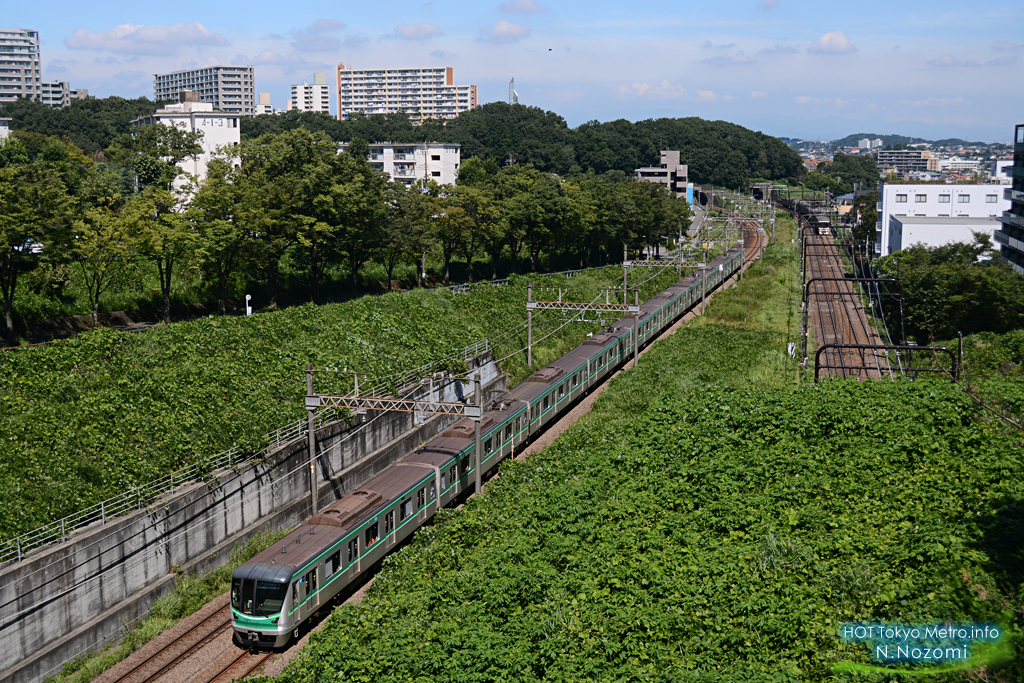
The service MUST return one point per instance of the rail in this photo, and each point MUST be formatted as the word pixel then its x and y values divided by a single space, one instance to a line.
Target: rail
pixel 140 496
pixel 954 372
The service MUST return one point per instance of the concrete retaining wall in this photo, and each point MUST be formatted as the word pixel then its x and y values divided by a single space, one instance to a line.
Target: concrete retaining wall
pixel 77 596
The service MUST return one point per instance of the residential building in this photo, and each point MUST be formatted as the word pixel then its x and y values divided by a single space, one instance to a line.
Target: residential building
pixel 903 160
pixel 1000 171
pixel 263 105
pixel 79 93
pixel 876 143
pixel 946 208
pixel 5 128
pixel 671 173
pixel 219 128
pixel 421 93
pixel 228 88
pixel 55 94
pixel 409 163
pixel 315 97
pixel 1010 236
pixel 20 65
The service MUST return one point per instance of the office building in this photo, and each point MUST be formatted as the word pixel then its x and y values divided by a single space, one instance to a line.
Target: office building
pixel 312 97
pixel 1010 236
pixel 228 88
pixel 420 93
pixel 410 163
pixel 20 65
pixel 671 173
pixel 903 160
pixel 935 214
pixel 219 128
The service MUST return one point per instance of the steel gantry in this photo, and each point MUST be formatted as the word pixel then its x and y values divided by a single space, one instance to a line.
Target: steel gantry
pixel 360 404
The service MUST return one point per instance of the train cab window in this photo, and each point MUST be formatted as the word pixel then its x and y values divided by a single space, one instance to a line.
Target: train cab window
pixel 353 549
pixel 270 597
pixel 241 595
pixel 405 509
pixel 371 534
pixel 421 498
pixel 311 582
pixel 333 564
pixel 389 522
pixel 295 594
pixel 488 446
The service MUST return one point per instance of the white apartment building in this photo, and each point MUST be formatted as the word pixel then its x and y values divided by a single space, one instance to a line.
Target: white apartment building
pixel 420 93
pixel 935 214
pixel 263 105
pixel 5 128
pixel 412 162
pixel 20 65
pixel 56 94
pixel 312 97
pixel 228 88
pixel 219 128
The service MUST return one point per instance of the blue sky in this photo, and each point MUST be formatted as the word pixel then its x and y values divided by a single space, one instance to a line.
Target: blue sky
pixel 799 68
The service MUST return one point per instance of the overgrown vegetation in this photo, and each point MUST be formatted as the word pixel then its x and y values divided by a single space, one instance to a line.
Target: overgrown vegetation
pixel 709 520
pixel 89 418
pixel 191 592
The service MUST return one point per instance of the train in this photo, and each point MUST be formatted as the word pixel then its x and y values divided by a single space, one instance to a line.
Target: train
pixel 277 591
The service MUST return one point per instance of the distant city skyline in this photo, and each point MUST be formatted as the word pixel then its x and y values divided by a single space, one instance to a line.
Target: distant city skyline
pixel 786 67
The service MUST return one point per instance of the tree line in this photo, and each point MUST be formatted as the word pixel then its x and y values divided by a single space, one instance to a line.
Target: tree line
pixel 289 202
pixel 717 152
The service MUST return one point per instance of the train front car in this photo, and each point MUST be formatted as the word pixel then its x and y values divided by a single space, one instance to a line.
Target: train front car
pixel 259 603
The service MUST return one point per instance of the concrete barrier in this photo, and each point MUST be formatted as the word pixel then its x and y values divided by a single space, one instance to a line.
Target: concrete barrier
pixel 77 596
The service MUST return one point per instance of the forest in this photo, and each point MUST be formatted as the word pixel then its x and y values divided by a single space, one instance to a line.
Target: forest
pixel 97 217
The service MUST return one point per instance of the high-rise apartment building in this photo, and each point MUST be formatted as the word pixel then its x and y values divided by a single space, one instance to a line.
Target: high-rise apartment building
pixel 1010 236
pixel 312 97
pixel 55 94
pixel 20 65
pixel 228 88
pixel 903 160
pixel 420 93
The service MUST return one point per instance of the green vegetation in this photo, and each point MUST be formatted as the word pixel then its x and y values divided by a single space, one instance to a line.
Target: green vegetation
pixel 91 124
pixel 711 519
pixel 191 592
pixel 844 173
pixel 89 418
pixel 947 290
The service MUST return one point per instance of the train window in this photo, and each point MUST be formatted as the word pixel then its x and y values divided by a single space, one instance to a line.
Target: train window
pixel 389 522
pixel 240 595
pixel 464 465
pixel 353 549
pixel 421 498
pixel 444 480
pixel 488 446
pixel 405 509
pixel 332 564
pixel 561 391
pixel 295 594
pixel 508 431
pixel 545 403
pixel 433 490
pixel 311 581
pixel 371 534
pixel 452 473
pixel 270 597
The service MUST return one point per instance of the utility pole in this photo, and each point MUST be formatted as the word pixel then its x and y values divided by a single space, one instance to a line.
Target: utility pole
pixel 703 284
pixel 636 327
pixel 478 392
pixel 311 440
pixel 625 258
pixel 529 324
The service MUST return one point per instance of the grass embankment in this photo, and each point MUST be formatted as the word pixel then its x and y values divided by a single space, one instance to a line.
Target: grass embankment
pixel 89 418
pixel 191 592
pixel 709 520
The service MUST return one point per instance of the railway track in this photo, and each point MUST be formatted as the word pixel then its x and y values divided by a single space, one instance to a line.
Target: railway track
pixel 241 666
pixel 837 316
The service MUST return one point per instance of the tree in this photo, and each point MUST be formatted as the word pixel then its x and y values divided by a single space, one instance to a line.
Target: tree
pixel 100 249
pixel 159 231
pixel 153 152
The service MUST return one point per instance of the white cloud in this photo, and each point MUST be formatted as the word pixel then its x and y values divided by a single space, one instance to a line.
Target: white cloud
pixel 290 64
pixel 949 61
pixel 758 95
pixel 521 7
pixel 1002 45
pixel 768 4
pixel 804 99
pixel 832 43
pixel 144 40
pixel 504 32
pixel 420 31
pixel 779 49
pixel 707 96
pixel 721 60
pixel 664 91
pixel 317 36
pixel 441 54
pixel 708 45
pixel 932 102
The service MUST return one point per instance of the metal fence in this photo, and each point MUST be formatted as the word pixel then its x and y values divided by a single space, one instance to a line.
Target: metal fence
pixel 137 498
